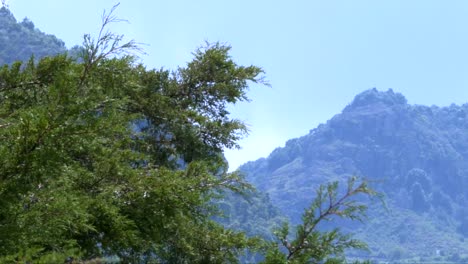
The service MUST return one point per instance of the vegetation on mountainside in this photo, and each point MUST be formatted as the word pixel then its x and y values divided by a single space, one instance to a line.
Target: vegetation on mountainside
pixel 22 39
pixel 251 212
pixel 418 153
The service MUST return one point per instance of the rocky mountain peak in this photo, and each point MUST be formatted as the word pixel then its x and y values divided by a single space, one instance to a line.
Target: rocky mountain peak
pixel 6 15
pixel 373 96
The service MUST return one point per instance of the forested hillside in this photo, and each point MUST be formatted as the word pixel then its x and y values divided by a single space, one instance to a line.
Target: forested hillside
pixel 417 155
pixel 20 40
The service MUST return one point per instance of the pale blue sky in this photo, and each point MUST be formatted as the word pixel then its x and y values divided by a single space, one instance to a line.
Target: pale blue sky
pixel 317 54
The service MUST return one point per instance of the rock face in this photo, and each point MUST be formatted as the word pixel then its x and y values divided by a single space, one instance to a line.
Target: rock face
pixel 417 154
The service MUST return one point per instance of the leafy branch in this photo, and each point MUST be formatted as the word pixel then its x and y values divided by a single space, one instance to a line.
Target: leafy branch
pixel 107 44
pixel 310 245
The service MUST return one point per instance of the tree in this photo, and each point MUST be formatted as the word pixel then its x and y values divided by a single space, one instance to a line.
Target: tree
pixel 310 244
pixel 103 157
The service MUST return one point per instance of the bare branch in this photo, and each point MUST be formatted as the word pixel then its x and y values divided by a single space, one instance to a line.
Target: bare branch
pixel 107 44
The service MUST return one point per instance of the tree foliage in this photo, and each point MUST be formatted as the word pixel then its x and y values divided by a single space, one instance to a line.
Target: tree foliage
pixel 310 243
pixel 103 157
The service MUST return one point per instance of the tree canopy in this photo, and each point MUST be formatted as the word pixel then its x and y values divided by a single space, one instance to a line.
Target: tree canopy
pixel 102 157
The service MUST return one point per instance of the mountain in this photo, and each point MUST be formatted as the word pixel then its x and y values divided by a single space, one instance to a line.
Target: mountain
pixel 20 40
pixel 417 156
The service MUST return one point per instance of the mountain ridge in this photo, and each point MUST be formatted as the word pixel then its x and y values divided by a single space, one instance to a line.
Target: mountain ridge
pixel 22 39
pixel 417 155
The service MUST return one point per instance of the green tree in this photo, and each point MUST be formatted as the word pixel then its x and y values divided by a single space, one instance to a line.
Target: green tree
pixel 103 157
pixel 310 244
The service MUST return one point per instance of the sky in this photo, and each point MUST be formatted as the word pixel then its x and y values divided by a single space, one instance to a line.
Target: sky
pixel 317 55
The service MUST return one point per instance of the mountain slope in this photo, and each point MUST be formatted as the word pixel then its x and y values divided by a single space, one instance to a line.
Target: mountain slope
pixel 20 40
pixel 418 156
